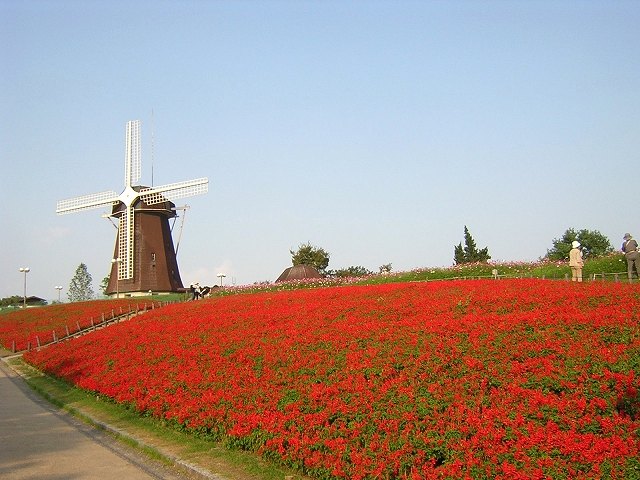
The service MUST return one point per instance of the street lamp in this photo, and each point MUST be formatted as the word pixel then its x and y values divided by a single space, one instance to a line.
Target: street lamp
pixel 221 276
pixel 24 270
pixel 58 287
pixel 117 261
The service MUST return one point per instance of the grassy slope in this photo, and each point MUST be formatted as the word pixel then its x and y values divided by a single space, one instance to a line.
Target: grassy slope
pixel 609 266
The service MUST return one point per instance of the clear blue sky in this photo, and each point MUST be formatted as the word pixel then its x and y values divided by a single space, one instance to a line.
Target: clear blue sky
pixel 374 129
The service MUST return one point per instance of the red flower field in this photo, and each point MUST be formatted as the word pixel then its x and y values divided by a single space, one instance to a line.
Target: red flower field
pixel 476 379
pixel 24 327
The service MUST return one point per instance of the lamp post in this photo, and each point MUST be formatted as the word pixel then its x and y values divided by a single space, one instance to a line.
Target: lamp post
pixel 221 276
pixel 117 261
pixel 24 270
pixel 59 288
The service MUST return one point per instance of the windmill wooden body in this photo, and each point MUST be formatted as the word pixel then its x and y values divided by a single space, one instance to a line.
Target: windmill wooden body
pixel 144 256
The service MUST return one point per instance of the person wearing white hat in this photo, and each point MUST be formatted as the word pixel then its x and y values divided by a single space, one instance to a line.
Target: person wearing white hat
pixel 630 249
pixel 575 261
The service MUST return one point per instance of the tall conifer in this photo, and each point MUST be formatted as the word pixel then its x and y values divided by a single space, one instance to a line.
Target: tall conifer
pixel 470 253
pixel 80 287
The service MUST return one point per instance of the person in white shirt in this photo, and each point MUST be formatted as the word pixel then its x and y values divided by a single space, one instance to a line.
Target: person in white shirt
pixel 575 262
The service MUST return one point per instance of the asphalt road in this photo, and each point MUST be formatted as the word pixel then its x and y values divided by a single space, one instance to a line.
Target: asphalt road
pixel 39 441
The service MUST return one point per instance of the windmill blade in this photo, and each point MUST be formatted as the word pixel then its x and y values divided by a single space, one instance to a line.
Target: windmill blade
pixel 126 230
pixel 174 191
pixel 132 160
pixel 86 202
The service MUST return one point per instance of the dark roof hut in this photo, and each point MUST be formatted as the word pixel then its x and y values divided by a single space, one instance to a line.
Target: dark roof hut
pixel 298 272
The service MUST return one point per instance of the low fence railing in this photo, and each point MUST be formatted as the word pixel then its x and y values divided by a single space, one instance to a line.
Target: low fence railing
pixel 42 340
pixel 615 277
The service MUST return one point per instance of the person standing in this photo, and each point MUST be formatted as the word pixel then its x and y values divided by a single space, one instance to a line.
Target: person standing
pixel 630 249
pixel 575 261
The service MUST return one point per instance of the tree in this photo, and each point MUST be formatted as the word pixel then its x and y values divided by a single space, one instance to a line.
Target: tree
pixel 593 243
pixel 13 300
pixel 105 284
pixel 458 254
pixel 353 271
pixel 469 253
pixel 80 286
pixel 384 269
pixel 308 254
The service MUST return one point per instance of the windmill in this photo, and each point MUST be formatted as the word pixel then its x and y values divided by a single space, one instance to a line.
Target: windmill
pixel 144 256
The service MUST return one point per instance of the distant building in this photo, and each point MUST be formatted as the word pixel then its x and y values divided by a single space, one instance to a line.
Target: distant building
pixel 298 272
pixel 35 302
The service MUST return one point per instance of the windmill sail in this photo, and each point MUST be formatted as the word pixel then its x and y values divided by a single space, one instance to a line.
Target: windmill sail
pixel 132 159
pixel 126 233
pixel 174 191
pixel 86 202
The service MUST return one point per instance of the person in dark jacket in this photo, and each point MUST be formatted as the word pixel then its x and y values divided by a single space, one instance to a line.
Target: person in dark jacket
pixel 631 253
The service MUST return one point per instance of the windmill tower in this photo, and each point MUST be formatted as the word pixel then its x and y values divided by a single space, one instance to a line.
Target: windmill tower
pixel 144 255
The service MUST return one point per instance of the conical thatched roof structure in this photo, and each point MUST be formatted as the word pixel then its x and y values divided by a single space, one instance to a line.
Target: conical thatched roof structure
pixel 298 272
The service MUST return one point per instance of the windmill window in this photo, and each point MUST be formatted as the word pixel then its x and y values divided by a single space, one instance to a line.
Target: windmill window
pixel 153 257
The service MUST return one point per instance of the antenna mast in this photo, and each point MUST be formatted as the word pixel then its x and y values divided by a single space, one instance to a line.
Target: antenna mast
pixel 153 141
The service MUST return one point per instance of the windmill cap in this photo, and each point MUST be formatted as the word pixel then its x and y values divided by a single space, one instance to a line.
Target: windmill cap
pixel 575 244
pixel 627 236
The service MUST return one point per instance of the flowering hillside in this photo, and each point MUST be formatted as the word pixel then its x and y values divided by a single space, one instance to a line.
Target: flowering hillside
pixel 461 379
pixel 25 327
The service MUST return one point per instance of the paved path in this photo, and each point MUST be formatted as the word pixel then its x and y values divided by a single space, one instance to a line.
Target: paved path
pixel 39 441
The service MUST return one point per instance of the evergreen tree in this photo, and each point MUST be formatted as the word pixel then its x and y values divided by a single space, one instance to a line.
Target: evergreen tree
pixel 80 287
pixel 470 253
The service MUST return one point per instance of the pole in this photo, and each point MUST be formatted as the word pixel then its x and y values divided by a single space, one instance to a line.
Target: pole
pixel 24 270
pixel 117 261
